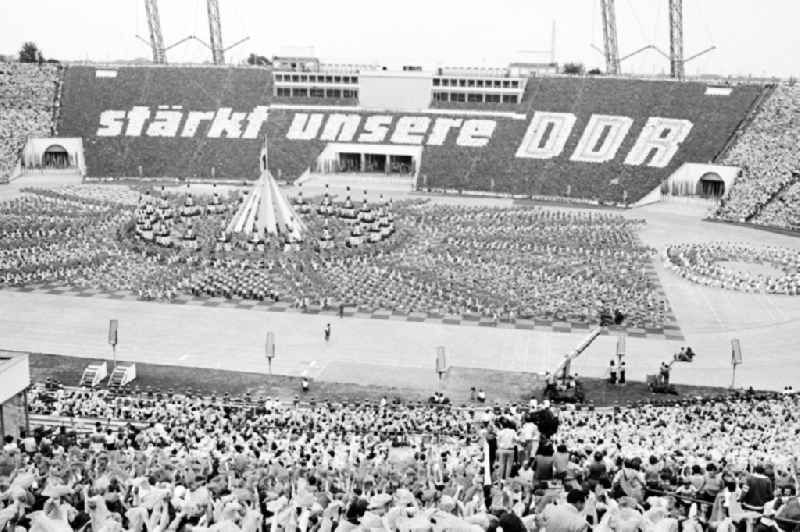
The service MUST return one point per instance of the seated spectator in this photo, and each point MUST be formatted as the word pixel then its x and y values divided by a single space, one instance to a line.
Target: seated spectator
pixel 766 152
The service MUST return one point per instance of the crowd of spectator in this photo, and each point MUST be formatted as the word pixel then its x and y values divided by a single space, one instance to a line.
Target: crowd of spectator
pixel 767 154
pixel 709 264
pixel 493 263
pixel 178 462
pixel 783 211
pixel 27 96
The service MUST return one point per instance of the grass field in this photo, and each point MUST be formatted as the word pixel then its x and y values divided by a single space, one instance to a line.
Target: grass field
pixel 502 386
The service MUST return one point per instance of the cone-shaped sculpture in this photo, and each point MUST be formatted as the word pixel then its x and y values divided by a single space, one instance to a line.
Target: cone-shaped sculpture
pixel 266 211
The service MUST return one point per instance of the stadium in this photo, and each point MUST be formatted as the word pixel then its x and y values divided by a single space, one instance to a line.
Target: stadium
pixel 318 295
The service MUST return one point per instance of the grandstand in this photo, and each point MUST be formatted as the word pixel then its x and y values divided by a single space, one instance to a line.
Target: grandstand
pixel 189 459
pixel 92 95
pixel 28 103
pixel 596 138
pixel 766 151
pixel 226 225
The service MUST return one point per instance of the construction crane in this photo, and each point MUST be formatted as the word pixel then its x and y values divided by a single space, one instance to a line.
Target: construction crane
pixel 610 49
pixel 156 38
pixel 215 33
pixel 564 369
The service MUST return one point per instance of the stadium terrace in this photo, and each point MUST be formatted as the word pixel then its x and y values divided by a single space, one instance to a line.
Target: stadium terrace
pixel 602 139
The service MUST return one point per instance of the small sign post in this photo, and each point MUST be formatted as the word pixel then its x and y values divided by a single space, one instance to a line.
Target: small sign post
pixel 441 363
pixel 269 348
pixel 113 326
pixel 736 359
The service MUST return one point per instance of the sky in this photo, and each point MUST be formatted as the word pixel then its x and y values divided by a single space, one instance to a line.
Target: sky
pixel 755 37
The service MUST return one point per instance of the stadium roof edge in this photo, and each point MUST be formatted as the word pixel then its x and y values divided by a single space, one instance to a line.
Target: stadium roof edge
pixel 733 80
pixel 154 65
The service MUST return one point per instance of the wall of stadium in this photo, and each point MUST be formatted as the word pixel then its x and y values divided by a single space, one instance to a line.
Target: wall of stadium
pixel 191 127
pixel 400 91
pixel 591 137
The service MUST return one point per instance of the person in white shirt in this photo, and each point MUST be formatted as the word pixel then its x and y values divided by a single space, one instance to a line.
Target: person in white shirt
pixel 506 441
pixel 529 434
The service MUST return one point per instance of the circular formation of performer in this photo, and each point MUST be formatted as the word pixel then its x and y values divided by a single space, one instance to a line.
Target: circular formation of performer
pixel 260 219
pixel 773 270
pixel 410 256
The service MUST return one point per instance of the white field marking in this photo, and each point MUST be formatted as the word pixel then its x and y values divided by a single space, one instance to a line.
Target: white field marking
pixel 768 306
pixel 776 313
pixel 709 305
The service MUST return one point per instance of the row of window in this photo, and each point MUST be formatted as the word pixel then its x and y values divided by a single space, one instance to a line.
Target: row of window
pixel 472 97
pixel 480 83
pixel 313 92
pixel 315 78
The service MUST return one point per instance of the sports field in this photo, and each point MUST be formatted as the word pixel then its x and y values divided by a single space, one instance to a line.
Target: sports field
pixel 396 352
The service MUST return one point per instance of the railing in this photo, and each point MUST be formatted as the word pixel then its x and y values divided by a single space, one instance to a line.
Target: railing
pixel 81 424
pixel 737 514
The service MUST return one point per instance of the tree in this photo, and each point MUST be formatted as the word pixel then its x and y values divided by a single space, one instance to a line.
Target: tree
pixel 595 72
pixel 30 53
pixel 575 69
pixel 258 60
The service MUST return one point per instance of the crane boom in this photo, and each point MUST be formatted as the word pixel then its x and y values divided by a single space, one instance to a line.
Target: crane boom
pixel 563 369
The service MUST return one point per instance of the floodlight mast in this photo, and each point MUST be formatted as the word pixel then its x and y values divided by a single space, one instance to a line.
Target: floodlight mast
pixel 156 38
pixel 676 62
pixel 215 33
pixel 610 48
